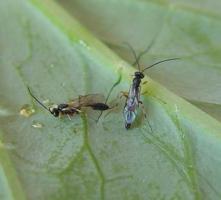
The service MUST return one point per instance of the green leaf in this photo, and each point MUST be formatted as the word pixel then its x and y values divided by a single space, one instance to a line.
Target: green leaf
pixel 172 154
pixel 10 186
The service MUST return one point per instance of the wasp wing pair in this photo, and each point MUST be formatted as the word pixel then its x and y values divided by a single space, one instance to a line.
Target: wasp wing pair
pixel 75 106
pixel 94 101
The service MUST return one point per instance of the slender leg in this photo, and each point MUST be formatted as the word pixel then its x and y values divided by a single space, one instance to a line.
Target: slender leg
pixel 154 96
pixel 99 117
pixel 79 111
pixel 69 117
pixel 79 99
pixel 138 97
pixel 144 83
pixel 145 116
pixel 140 102
pixel 145 92
pixel 111 110
pixel 124 94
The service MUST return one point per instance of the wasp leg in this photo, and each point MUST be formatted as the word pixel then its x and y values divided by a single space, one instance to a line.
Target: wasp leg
pixel 143 111
pixel 154 96
pixel 145 82
pixel 123 94
pixel 145 116
pixel 145 92
pixel 69 117
pixel 116 105
pixel 111 108
pixel 83 113
pixel 79 111
pixel 79 99
pixel 116 102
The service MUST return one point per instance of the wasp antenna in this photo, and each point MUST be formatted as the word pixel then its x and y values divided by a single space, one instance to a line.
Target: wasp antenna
pixel 99 117
pixel 114 85
pixel 109 93
pixel 38 100
pixel 159 63
pixel 134 54
pixel 144 51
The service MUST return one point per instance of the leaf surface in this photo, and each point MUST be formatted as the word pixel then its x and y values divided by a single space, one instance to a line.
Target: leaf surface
pixel 46 49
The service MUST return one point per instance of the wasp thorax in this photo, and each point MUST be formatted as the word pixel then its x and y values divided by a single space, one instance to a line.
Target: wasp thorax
pixel 139 75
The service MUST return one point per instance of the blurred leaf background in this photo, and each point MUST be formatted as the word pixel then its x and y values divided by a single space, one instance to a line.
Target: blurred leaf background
pixel 44 46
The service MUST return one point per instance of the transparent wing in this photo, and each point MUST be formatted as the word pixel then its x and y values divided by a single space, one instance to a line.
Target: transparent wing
pixel 87 100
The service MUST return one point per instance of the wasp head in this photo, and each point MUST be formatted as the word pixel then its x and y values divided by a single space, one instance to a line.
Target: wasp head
pixel 139 75
pixel 54 111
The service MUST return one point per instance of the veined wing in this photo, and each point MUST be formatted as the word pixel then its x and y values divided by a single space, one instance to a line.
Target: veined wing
pixel 86 100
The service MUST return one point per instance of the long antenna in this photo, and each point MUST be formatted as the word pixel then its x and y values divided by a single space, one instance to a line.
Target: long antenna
pixel 109 93
pixel 144 51
pixel 134 54
pixel 114 85
pixel 38 100
pixel 159 63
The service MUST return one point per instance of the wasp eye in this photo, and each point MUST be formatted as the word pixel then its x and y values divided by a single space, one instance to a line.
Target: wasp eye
pixel 55 112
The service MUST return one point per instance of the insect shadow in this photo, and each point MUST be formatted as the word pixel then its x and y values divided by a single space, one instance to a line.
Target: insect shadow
pixel 133 96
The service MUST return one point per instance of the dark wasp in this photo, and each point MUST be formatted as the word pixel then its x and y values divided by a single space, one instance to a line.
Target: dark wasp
pixel 133 96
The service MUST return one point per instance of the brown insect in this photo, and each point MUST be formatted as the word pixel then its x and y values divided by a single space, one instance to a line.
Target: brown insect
pixel 75 106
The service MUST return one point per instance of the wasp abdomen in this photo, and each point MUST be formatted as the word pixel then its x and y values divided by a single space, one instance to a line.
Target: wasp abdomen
pixel 99 106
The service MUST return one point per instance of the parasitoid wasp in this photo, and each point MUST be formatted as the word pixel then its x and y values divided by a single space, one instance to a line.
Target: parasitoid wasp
pixel 75 106
pixel 133 96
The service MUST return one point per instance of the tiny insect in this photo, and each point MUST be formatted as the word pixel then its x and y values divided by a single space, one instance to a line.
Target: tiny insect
pixel 75 106
pixel 133 96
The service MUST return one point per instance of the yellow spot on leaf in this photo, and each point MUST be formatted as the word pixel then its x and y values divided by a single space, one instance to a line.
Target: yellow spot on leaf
pixel 27 110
